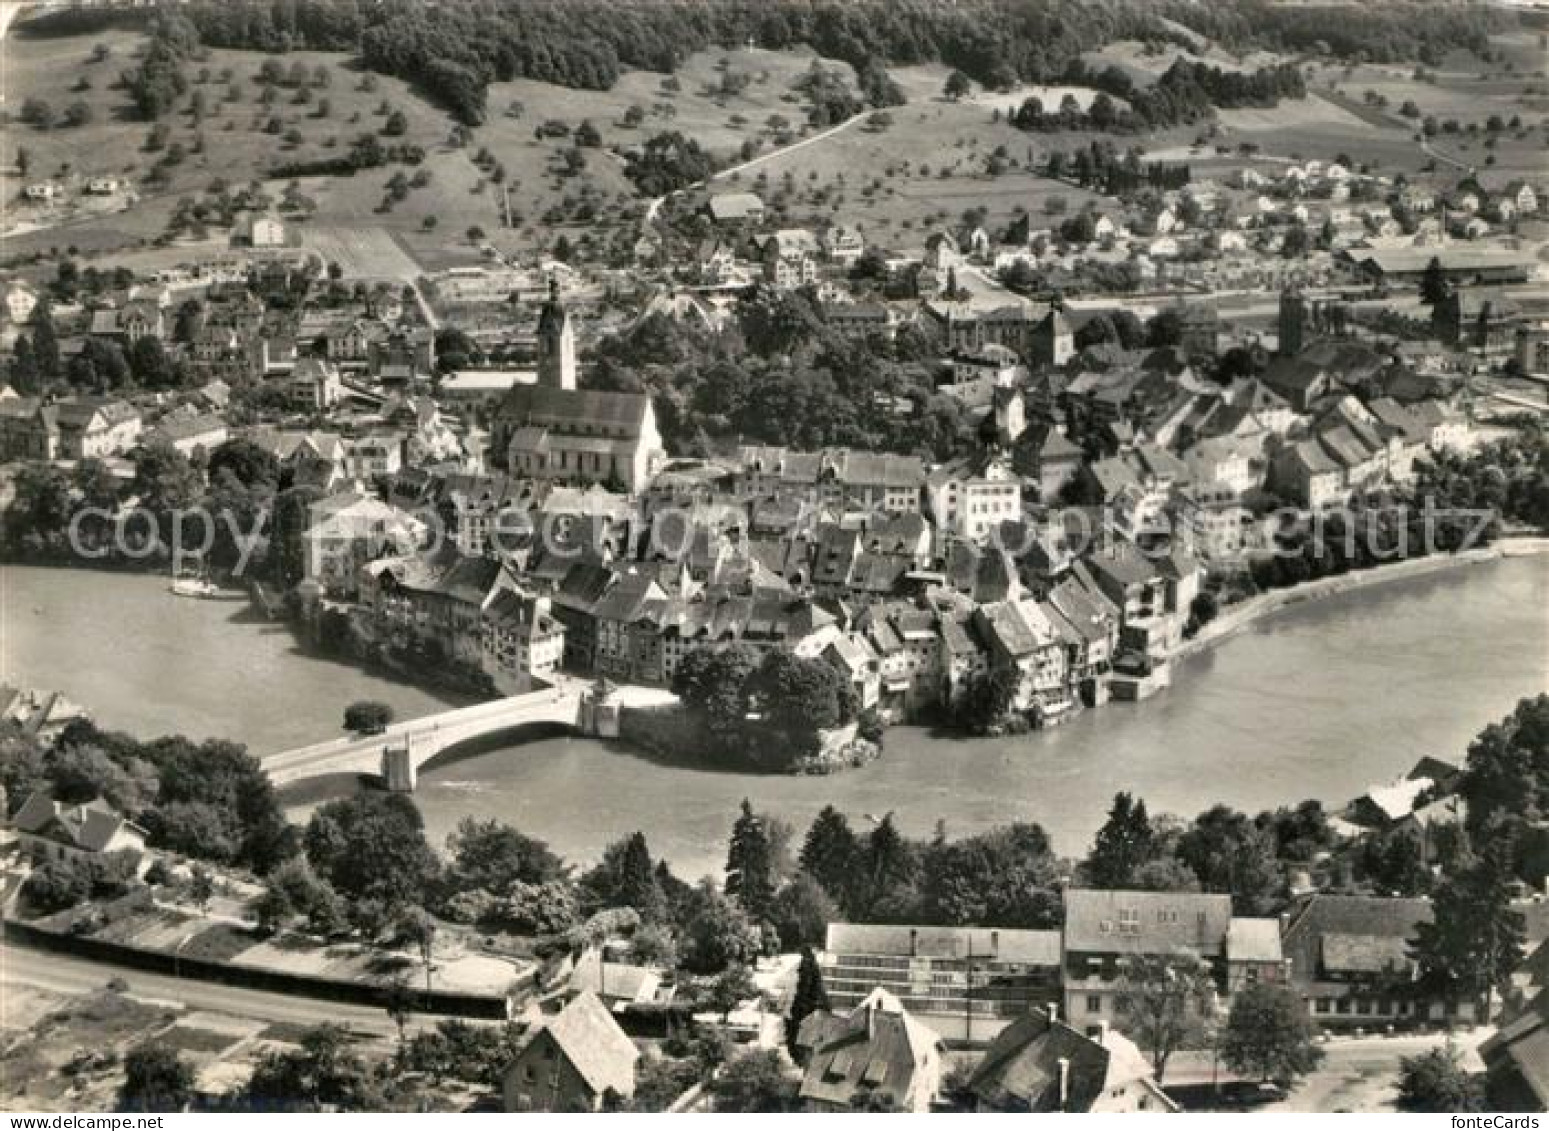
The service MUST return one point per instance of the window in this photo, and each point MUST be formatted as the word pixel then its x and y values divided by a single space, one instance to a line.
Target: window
pixel 1094 1003
pixel 1129 921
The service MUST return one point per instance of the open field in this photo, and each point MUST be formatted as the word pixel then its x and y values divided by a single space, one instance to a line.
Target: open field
pixel 890 182
pixel 236 146
pixel 721 113
pixel 362 252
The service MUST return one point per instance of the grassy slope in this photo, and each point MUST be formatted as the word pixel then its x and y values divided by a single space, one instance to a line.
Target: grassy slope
pixel 929 131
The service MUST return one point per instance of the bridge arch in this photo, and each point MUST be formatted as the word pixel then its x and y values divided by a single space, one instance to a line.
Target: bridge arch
pixel 517 734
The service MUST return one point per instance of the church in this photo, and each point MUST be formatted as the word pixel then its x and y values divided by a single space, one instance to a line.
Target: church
pixel 553 431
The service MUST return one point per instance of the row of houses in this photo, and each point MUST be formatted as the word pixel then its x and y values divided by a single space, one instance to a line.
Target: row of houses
pixel 1347 957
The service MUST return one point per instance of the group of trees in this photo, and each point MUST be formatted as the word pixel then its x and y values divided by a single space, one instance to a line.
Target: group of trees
pixel 1509 477
pixel 667 162
pixel 1376 533
pixel 159 80
pixel 454 52
pixel 255 518
pixel 99 366
pixel 1186 92
pixel 1222 850
pixel 209 800
pixel 780 375
pixel 769 709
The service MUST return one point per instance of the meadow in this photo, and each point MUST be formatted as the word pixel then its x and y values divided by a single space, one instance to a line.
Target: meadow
pixel 897 175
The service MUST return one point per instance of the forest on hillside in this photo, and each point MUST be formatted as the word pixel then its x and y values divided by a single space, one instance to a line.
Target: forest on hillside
pixel 453 51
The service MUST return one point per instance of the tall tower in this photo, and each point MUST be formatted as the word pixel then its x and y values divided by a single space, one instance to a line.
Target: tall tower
pixel 556 344
pixel 1293 322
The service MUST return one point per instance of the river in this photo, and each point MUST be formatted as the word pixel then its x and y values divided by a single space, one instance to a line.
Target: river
pixel 1318 700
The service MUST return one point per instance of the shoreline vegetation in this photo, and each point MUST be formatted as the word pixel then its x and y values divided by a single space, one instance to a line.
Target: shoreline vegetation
pixel 1235 618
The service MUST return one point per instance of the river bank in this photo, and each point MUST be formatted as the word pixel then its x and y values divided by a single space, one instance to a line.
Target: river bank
pixel 1295 705
pixel 1235 618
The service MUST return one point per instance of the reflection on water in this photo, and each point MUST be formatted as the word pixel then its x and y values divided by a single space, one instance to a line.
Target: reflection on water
pixel 1321 700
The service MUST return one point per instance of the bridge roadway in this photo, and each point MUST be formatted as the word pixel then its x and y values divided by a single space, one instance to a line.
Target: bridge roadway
pixel 429 735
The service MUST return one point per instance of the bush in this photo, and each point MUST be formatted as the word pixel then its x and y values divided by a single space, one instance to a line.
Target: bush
pixel 367 717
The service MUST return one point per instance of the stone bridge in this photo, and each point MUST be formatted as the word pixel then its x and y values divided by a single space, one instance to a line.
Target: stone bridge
pixel 398 753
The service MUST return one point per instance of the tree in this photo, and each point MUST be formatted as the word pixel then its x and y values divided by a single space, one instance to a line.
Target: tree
pixel 367 717
pixel 749 871
pixel 166 482
pixel 1475 938
pixel 958 86
pixel 201 887
pixel 1006 877
pixel 718 933
pixel 22 768
pixel 1164 1002
pixel 45 342
pixel 759 1081
pixel 24 366
pixel 1435 1081
pixel 491 856
pixel 1229 853
pixel 248 463
pixel 811 996
pixel 731 988
pixel 372 847
pixel 399 1001
pixel 1506 775
pixel 294 890
pixel 150 364
pixel 395 124
pixel 587 135
pixel 830 853
pixel 84 772
pixel 323 1074
pixel 801 913
pixel 638 886
pixel 1434 287
pixel 37 113
pixel 156 1078
pixel 1166 873
pixel 1123 844
pixel 888 865
pixel 987 700
pixel 58 884
pixel 1269 1036
pixel 416 927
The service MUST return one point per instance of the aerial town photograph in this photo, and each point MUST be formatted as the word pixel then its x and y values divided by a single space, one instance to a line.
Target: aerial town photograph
pixel 774 556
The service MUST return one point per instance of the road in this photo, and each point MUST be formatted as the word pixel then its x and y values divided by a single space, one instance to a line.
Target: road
pixel 655 205
pixel 1357 1073
pixel 67 975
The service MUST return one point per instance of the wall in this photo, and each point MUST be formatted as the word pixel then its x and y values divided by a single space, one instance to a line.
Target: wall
pixel 488 1007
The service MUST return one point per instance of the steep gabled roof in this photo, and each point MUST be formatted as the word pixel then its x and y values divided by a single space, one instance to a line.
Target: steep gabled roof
pixel 595 1045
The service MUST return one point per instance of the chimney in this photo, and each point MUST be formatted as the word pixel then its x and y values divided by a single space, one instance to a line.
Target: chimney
pixel 1064 1063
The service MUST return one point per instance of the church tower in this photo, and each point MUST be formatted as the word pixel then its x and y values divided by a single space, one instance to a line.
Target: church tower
pixel 556 344
pixel 1293 322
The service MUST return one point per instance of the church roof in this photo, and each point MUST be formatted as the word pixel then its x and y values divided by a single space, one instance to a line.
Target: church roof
pixel 575 410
